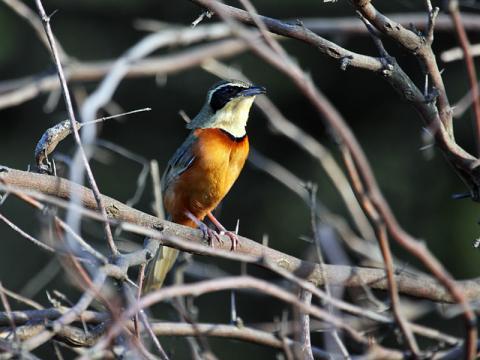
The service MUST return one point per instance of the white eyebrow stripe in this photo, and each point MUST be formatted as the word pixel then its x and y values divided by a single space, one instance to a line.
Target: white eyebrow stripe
pixel 239 84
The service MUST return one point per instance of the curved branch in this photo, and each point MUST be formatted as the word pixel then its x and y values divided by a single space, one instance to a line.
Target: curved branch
pixel 300 32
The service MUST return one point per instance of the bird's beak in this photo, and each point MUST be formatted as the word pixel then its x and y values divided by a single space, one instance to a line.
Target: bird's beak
pixel 253 90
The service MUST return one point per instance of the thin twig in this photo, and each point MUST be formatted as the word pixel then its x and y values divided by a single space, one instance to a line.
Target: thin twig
pixel 69 316
pixel 470 65
pixel 239 282
pixel 22 299
pixel 84 245
pixel 73 121
pixel 199 19
pixel 18 91
pixel 25 235
pixel 8 311
pixel 141 276
pixel 457 53
pixel 312 189
pixel 41 278
pixel 267 36
pixel 306 351
pixel 381 233
pixel 462 105
pixel 423 51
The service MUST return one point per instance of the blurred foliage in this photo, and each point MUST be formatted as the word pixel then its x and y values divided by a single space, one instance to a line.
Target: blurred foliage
pixel 418 187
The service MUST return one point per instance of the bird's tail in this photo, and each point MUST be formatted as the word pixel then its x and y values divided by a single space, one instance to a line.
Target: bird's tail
pixel 158 268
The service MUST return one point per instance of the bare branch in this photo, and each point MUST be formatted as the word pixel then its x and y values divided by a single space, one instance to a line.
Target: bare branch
pixel 25 235
pixel 18 91
pixel 470 65
pixel 239 282
pixel 301 33
pixel 54 135
pixel 69 316
pixel 68 102
pixel 410 41
pixel 457 53
pixel 40 185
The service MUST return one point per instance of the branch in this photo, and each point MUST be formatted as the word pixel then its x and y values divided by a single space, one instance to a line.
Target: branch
pixel 76 337
pixel 409 284
pixel 410 41
pixel 457 53
pixel 463 162
pixel 18 91
pixel 415 44
pixel 349 25
pixel 41 315
pixel 78 171
pixel 57 133
pixel 301 33
pixel 238 282
pixel 470 65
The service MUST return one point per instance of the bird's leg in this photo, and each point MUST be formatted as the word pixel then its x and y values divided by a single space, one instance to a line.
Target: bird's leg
pixel 208 233
pixel 233 237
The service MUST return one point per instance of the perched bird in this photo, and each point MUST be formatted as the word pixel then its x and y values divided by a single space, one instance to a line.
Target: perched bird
pixel 205 166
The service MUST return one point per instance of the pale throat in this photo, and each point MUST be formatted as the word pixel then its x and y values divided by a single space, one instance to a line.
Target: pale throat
pixel 233 116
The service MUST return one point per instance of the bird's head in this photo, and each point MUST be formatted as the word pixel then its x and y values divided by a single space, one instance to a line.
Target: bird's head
pixel 227 107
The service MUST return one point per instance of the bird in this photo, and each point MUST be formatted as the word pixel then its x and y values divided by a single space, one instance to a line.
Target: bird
pixel 204 168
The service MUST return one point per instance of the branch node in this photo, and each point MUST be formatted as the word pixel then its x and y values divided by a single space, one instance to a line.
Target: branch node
pixel 432 16
pixel 432 95
pixel 149 255
pixel 51 15
pixel 52 326
pixel 345 62
pixel 388 65
pixel 205 14
pixel 159 227
pixel 46 18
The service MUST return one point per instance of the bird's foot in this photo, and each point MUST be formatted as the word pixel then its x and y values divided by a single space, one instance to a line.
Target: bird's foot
pixel 210 235
pixel 233 238
pixel 232 235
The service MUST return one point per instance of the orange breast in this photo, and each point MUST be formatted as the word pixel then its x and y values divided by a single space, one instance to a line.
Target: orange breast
pixel 219 158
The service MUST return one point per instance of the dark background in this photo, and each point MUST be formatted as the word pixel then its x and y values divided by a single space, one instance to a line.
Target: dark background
pixel 418 187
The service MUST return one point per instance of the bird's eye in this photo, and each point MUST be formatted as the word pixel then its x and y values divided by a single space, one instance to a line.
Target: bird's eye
pixel 222 96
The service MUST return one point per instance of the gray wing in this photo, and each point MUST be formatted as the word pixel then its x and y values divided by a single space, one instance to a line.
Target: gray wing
pixel 180 161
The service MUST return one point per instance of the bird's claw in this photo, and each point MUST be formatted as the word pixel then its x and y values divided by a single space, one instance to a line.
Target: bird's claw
pixel 210 235
pixel 233 238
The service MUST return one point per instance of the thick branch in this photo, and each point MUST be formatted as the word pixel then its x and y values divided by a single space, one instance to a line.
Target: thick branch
pixel 408 284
